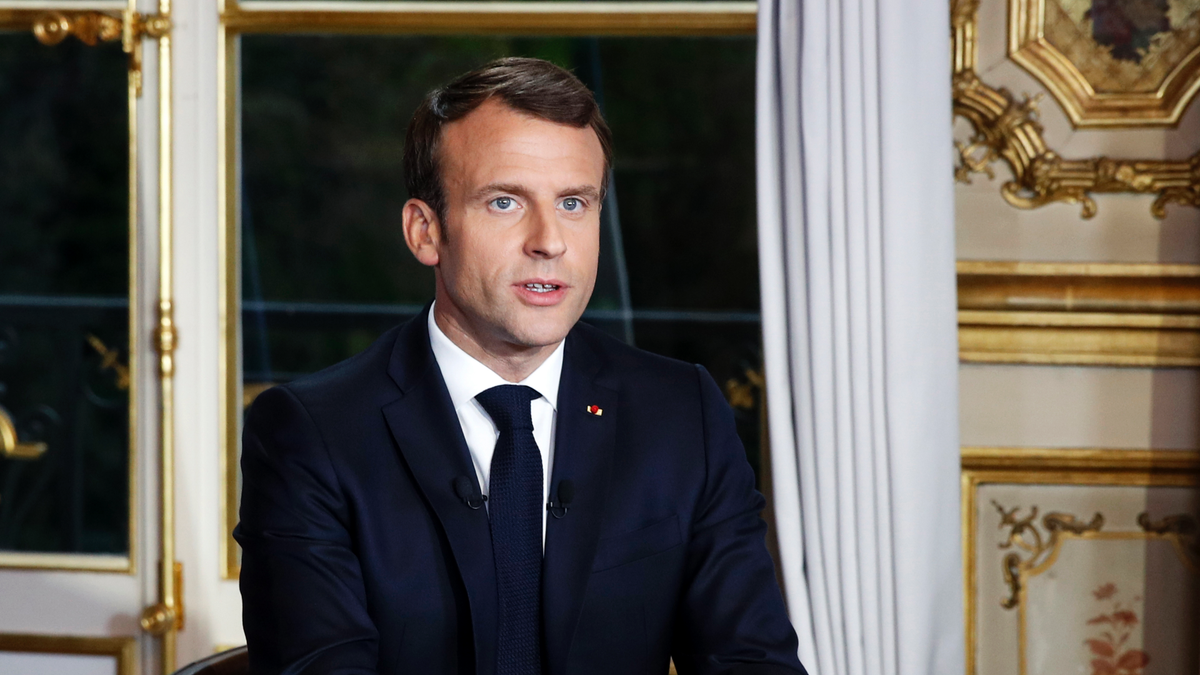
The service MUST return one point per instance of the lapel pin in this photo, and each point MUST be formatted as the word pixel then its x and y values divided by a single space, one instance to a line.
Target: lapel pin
pixel 595 410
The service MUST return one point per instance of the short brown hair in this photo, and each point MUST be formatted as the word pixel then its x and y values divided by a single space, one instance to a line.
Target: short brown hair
pixel 533 86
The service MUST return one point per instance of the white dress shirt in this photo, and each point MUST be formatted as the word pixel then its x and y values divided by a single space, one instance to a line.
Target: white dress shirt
pixel 466 378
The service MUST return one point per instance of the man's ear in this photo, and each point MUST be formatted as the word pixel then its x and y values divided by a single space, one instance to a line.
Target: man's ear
pixel 422 231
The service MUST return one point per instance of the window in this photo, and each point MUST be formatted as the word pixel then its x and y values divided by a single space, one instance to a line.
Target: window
pixel 64 300
pixel 315 256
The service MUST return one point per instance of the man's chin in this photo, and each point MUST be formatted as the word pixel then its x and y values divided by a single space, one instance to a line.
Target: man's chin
pixel 541 333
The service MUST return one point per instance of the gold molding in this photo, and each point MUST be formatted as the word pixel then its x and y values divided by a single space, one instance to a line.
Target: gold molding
pixel 1008 129
pixel 1055 466
pixel 524 18
pixel 1057 461
pixel 122 649
pixel 1079 313
pixel 1084 106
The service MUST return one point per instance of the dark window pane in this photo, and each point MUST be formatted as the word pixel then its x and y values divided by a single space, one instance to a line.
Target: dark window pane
pixel 64 271
pixel 325 268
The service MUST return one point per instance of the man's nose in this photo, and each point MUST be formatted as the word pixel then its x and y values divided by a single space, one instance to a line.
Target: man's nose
pixel 545 237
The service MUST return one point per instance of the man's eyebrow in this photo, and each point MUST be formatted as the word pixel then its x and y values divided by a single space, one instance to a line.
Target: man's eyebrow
pixel 588 191
pixel 582 191
pixel 492 188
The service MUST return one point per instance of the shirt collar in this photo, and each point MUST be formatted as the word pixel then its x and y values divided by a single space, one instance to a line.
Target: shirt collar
pixel 466 377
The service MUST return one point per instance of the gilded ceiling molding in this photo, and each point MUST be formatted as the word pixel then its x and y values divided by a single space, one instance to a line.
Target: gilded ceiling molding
pixel 1007 128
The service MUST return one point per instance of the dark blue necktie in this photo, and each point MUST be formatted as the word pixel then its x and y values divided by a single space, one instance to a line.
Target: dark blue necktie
pixel 515 510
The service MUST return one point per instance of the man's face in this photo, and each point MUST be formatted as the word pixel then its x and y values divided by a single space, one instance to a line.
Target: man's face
pixel 518 251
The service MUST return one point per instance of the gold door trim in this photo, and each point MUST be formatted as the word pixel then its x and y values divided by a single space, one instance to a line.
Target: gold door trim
pixel 164 618
pixel 1079 313
pixel 1055 466
pixel 123 649
pixel 394 18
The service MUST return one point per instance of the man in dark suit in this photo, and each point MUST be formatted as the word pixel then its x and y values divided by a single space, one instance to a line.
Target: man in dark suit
pixel 493 488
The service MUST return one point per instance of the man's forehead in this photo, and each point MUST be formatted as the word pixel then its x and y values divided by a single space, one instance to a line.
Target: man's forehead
pixel 495 137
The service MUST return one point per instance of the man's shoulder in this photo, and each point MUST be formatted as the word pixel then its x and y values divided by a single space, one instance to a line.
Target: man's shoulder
pixel 632 366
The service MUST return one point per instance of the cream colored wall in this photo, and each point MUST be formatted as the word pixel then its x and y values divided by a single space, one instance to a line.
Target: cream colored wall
pixel 1079 407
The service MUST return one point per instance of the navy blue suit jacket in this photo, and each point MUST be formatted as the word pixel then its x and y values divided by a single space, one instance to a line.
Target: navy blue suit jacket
pixel 360 558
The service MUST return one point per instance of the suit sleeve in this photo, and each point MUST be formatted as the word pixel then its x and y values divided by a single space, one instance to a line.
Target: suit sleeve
pixel 304 603
pixel 732 617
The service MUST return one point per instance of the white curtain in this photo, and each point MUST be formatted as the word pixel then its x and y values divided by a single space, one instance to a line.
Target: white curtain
pixel 856 244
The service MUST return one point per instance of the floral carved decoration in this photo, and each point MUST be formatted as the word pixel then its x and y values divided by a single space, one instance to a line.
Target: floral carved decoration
pixel 1110 650
pixel 1025 536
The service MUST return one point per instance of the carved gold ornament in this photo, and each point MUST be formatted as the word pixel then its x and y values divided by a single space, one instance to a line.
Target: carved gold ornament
pixel 92 28
pixel 1007 128
pixel 1024 535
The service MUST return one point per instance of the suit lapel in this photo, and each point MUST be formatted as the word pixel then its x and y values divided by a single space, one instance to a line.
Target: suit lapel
pixel 583 450
pixel 427 430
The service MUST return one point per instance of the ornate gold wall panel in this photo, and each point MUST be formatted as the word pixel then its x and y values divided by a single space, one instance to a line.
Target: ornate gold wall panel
pixel 1029 545
pixel 1083 314
pixel 1007 128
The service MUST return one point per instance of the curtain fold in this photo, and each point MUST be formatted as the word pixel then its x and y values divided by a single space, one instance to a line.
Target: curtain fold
pixel 856 243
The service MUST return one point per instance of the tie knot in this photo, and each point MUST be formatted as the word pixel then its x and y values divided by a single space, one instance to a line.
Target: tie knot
pixel 508 406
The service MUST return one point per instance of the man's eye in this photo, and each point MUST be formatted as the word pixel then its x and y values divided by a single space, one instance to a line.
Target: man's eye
pixel 572 204
pixel 503 203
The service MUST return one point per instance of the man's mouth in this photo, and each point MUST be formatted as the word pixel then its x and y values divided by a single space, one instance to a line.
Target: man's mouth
pixel 542 288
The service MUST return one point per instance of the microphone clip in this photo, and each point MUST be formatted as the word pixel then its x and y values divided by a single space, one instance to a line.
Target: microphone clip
pixel 469 493
pixel 566 494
